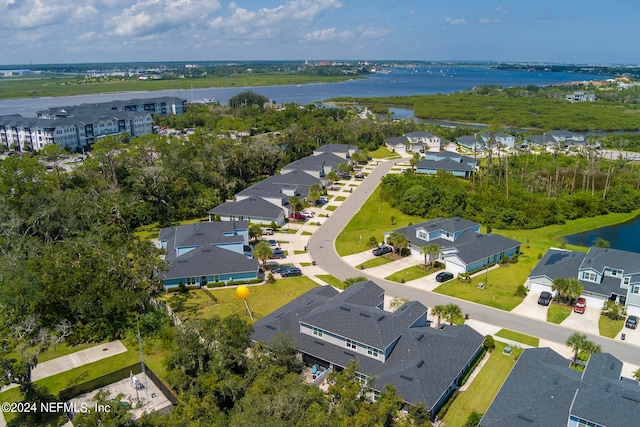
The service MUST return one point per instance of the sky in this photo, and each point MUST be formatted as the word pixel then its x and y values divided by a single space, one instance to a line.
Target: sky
pixel 73 31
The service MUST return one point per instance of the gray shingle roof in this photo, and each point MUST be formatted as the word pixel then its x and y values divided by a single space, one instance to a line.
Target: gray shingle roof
pixel 452 225
pixel 250 207
pixel 207 261
pixel 444 164
pixel 474 246
pixel 599 258
pixel 314 163
pixel 558 263
pixel 542 391
pixel 423 363
pixel 335 148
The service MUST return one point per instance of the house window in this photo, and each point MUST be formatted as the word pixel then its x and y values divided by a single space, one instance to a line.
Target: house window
pixel 635 289
pixel 627 280
pixel 351 344
pixel 589 276
pixel 422 235
pixel 317 332
pixel 373 352
pixel 191 281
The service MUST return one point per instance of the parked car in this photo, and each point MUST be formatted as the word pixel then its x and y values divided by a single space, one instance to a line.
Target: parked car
pixel 267 231
pixel 545 298
pixel 381 250
pixel 273 244
pixel 444 276
pixel 292 272
pixel 632 322
pixel 281 268
pixel 308 214
pixel 297 215
pixel 580 306
pixel 359 175
pixel 278 254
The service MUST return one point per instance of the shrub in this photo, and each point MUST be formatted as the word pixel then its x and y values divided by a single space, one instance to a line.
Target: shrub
pixel 473 419
pixel 215 284
pixel 438 264
pixel 513 259
pixel 351 280
pixel 405 252
pixel 489 343
pixel 182 288
pixel 270 279
pixel 521 291
pixel 373 242
pixel 503 260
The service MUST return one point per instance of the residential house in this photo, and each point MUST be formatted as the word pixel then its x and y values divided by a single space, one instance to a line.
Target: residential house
pixel 505 140
pixel 252 208
pixel 542 390
pixel 448 161
pixel 559 138
pixel 603 272
pixel 331 328
pixel 318 166
pixel 463 248
pixel 207 252
pixel 162 106
pixel 471 142
pixel 414 141
pixel 580 97
pixel 342 150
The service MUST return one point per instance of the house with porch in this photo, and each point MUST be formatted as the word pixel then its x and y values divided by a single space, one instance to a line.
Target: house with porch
pixel 463 249
pixel 252 208
pixel 207 252
pixel 604 273
pixel 448 161
pixel 332 328
pixel 342 150
pixel 542 390
pixel 318 166
pixel 414 141
pixel 471 142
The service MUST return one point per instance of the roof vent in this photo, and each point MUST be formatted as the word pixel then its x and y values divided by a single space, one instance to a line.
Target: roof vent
pixel 631 398
pixel 310 302
pixel 420 337
pixel 522 417
pixel 380 318
pixel 318 342
pixel 404 377
pixel 349 354
pixel 342 307
pixel 420 363
pixel 365 315
pixel 271 327
pixel 280 315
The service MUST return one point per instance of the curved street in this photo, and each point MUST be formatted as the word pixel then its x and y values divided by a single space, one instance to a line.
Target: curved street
pixel 322 250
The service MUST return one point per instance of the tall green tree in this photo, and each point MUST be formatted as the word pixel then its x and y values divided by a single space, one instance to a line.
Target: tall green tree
pixel 452 312
pixel 262 251
pixel 430 251
pixel 439 312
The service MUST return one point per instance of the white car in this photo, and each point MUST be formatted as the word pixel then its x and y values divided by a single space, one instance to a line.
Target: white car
pixel 307 214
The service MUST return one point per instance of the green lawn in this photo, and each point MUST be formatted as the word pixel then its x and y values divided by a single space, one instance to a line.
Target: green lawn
pixel 305 264
pixel 383 153
pixel 331 280
pixel 340 198
pixel 408 274
pixel 517 337
pixel 610 328
pixel 263 299
pixel 331 208
pixel 299 252
pixel 557 313
pixel 306 233
pixel 377 261
pixel 484 387
pixel 151 231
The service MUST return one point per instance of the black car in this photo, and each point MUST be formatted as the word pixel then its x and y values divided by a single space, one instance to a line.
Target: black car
pixel 278 254
pixel 292 273
pixel 381 250
pixel 281 268
pixel 444 276
pixel 545 298
pixel 632 322
pixel 359 176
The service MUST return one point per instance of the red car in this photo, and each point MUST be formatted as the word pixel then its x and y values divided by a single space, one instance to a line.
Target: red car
pixel 580 305
pixel 297 215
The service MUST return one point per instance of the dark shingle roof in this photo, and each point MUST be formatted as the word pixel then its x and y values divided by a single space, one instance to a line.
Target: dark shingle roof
pixel 599 258
pixel 452 225
pixel 558 263
pixel 313 163
pixel 422 364
pixel 208 260
pixel 474 246
pixel 542 391
pixel 202 233
pixel 444 164
pixel 250 207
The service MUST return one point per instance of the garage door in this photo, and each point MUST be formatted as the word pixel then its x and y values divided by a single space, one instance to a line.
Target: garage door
pixel 452 267
pixel 594 302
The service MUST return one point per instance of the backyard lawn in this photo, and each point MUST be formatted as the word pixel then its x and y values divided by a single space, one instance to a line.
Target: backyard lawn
pixel 383 153
pixel 263 299
pixel 484 387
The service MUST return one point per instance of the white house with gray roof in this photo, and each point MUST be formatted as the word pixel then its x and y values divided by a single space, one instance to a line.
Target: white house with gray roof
pixel 318 166
pixel 253 209
pixel 543 391
pixel 332 328
pixel 604 273
pixel 205 252
pixel 463 248
pixel 414 141
pixel 447 161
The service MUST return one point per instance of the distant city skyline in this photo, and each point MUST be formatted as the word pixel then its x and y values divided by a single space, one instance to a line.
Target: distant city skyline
pixel 567 31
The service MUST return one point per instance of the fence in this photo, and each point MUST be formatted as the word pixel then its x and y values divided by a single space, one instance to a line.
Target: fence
pixel 174 317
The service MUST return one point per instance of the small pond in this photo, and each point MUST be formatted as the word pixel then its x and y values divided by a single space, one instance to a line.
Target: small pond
pixel 624 236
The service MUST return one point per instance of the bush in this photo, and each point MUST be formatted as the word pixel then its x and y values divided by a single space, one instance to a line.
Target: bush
pixel 215 284
pixel 182 288
pixel 473 420
pixel 521 291
pixel 513 259
pixel 489 343
pixel 351 280
pixel 438 264
pixel 503 260
pixel 270 279
pixel 405 252
pixel 373 242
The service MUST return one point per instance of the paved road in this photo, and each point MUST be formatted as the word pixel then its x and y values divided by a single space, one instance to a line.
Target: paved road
pixel 322 250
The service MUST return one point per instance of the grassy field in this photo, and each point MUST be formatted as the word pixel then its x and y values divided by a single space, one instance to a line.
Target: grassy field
pixel 517 337
pixel 263 299
pixel 609 328
pixel 408 274
pixel 331 280
pixel 374 219
pixel 377 261
pixel 383 153
pixel 331 208
pixel 484 387
pixel 65 86
pixel 557 313
pixel 340 199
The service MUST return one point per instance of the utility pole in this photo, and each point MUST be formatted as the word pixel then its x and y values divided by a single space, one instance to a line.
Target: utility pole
pixel 144 372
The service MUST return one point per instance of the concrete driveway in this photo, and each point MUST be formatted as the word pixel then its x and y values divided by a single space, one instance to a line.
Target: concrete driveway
pixel 530 307
pixel 586 323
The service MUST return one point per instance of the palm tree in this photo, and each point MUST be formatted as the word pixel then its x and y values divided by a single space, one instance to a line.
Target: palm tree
pixel 414 161
pixel 432 250
pixel 263 252
pixel 438 312
pixel 398 240
pixel 559 286
pixel 332 177
pixel 579 342
pixel 315 191
pixel 297 204
pixel 573 289
pixel 451 312
pixel 255 231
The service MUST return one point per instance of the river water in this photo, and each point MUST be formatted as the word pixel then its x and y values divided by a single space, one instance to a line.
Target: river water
pixel 397 82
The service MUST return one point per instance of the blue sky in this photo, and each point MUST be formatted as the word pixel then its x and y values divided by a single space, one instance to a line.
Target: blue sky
pixel 61 31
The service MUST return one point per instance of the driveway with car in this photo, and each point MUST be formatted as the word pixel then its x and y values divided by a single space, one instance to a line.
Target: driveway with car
pixel 529 307
pixel 584 323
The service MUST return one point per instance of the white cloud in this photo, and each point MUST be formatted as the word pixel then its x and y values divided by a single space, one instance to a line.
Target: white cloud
pixel 321 35
pixel 455 21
